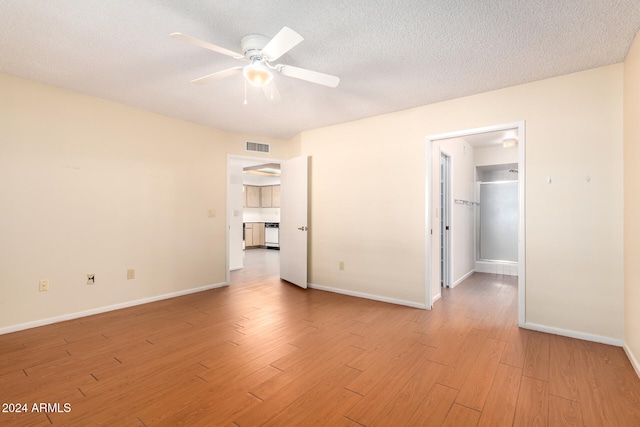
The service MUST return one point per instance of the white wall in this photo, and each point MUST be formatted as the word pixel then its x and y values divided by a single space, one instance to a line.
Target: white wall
pixel 497 155
pixel 574 227
pixel 90 186
pixel 632 203
pixel 261 215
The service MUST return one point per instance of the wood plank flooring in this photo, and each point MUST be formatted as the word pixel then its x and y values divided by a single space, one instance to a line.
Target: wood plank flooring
pixel 264 352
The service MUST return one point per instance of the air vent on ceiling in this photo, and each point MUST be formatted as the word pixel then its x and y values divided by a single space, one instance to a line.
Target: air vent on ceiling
pixel 260 147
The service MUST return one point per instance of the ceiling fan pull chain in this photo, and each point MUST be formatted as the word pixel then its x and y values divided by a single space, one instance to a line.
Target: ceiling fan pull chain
pixel 245 92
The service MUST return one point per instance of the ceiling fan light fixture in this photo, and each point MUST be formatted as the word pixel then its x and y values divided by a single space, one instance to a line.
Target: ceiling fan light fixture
pixel 257 74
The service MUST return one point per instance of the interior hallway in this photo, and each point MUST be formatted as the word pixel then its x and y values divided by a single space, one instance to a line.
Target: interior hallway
pixel 264 352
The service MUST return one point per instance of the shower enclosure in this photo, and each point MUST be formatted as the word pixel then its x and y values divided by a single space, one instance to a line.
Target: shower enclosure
pixel 497 225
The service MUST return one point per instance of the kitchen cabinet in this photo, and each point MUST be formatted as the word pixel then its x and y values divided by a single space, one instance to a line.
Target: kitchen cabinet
pixel 258 238
pixel 270 196
pixel 253 234
pixel 252 194
pixel 265 196
pixel 248 235
pixel 275 196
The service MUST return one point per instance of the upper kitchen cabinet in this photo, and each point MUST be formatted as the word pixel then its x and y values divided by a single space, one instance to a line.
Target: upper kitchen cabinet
pixel 265 196
pixel 275 196
pixel 271 196
pixel 252 196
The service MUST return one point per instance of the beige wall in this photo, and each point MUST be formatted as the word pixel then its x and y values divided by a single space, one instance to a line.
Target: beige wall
pixel 632 202
pixel 89 186
pixel 368 198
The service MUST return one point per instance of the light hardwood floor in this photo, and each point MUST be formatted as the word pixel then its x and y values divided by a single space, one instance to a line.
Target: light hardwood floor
pixel 264 352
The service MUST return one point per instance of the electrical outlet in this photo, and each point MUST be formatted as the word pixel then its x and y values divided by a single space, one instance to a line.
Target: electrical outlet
pixel 91 279
pixel 131 274
pixel 43 285
pixel 341 265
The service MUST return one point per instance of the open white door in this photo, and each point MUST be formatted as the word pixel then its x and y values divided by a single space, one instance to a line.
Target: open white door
pixel 293 220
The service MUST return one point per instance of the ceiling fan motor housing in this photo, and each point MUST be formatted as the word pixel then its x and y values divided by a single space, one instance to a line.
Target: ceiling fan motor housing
pixel 252 45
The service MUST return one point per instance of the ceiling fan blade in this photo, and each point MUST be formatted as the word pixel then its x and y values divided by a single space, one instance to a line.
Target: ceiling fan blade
pixel 216 76
pixel 206 45
pixel 271 92
pixel 281 43
pixel 310 76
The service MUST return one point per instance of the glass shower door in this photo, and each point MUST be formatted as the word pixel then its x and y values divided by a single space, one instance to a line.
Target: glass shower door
pixel 498 231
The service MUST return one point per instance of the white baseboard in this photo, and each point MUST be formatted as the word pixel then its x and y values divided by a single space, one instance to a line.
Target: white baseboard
pixel 632 359
pixel 497 267
pixel 239 267
pixel 573 334
pixel 435 298
pixel 367 296
pixel 99 310
pixel 462 279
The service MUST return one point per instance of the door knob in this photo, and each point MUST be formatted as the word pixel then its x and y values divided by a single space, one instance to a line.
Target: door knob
pixel 302 228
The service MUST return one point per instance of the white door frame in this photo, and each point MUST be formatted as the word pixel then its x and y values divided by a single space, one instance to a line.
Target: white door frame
pixel 430 210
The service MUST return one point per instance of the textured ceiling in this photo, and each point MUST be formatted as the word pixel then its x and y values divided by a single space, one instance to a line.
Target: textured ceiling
pixel 390 55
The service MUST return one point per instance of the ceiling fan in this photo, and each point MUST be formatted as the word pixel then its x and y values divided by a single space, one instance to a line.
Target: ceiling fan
pixel 260 52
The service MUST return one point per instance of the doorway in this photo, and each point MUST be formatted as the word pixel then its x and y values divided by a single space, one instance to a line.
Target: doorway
pixel 292 225
pixel 436 256
pixel 244 172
